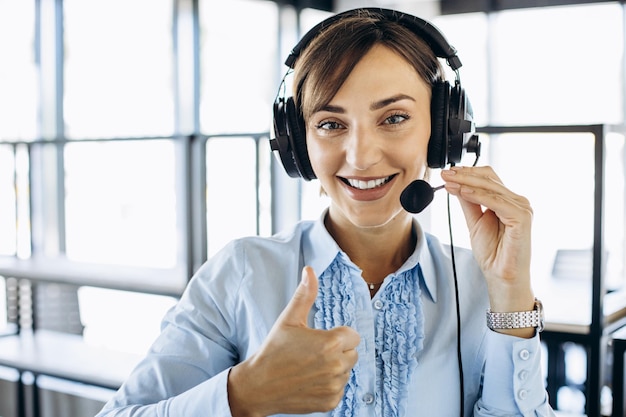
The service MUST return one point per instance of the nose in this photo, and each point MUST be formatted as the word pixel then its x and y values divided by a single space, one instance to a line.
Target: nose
pixel 363 150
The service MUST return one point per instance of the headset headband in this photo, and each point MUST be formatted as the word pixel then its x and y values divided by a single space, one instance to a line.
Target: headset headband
pixel 435 39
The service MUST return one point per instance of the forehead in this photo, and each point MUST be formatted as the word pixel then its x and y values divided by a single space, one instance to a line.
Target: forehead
pixel 382 73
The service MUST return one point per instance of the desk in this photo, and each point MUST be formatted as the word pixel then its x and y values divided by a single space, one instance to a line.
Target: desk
pixel 569 319
pixel 567 305
pixel 64 356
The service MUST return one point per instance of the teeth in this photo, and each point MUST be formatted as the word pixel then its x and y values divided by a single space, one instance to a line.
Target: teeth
pixel 367 185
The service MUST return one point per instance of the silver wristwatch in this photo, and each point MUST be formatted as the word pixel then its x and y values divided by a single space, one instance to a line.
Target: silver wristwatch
pixel 517 319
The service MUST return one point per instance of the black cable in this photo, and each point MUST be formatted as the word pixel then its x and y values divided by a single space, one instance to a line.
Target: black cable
pixel 458 318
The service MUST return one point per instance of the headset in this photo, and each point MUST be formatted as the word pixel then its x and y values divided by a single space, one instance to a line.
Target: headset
pixel 452 125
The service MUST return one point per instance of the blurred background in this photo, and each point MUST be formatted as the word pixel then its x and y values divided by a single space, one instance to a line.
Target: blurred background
pixel 134 145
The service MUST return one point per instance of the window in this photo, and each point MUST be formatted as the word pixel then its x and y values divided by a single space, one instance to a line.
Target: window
pixel 129 145
pixel 238 66
pixel 519 70
pixel 238 189
pixel 118 73
pixel 18 72
pixel 8 204
pixel 120 204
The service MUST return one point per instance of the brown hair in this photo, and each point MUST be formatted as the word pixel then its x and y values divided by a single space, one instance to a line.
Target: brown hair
pixel 330 57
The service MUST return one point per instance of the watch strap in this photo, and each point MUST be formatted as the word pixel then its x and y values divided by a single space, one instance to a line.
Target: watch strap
pixel 517 319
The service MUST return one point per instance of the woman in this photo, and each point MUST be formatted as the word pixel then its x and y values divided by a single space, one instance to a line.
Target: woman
pixel 356 314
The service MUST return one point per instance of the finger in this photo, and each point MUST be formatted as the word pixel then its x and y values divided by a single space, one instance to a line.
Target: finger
pixel 508 207
pixel 347 337
pixel 478 188
pixel 475 179
pixel 297 311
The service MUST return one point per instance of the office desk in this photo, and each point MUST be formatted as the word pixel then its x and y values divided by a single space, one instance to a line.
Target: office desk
pixel 64 356
pixel 568 313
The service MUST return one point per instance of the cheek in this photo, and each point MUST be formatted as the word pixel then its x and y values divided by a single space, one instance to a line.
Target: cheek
pixel 323 158
pixel 313 152
pixel 413 157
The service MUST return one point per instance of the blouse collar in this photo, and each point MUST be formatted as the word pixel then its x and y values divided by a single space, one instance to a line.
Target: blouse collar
pixel 320 249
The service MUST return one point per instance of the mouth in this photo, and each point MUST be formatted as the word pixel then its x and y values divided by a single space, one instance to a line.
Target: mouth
pixel 369 184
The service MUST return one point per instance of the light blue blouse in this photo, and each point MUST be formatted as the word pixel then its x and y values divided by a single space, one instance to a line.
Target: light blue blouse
pixel 407 362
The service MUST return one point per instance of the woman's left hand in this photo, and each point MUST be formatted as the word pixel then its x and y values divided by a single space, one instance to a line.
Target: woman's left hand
pixel 499 223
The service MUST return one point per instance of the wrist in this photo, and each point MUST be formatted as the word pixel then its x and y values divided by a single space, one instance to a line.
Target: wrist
pixel 507 297
pixel 237 397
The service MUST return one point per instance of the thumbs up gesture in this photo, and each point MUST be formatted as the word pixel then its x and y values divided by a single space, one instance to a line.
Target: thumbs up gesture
pixel 297 370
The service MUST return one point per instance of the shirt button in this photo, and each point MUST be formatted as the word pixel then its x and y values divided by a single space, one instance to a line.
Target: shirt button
pixel 523 375
pixel 524 354
pixel 522 394
pixel 368 399
pixel 378 305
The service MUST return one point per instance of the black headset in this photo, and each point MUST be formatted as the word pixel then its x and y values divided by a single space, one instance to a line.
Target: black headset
pixel 452 125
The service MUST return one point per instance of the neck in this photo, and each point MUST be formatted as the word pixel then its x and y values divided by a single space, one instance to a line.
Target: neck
pixel 378 251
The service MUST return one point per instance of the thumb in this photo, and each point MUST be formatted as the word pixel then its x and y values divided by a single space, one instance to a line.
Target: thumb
pixel 297 311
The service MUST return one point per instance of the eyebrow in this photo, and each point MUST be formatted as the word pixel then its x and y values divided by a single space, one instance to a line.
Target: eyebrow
pixel 377 105
pixel 385 102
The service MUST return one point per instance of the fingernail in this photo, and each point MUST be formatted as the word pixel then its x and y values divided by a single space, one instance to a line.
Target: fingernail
pixel 448 172
pixel 305 278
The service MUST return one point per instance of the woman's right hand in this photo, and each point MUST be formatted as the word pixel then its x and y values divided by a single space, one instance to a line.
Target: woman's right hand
pixel 297 370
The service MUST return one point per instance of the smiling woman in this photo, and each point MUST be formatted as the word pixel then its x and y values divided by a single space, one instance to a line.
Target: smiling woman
pixel 337 315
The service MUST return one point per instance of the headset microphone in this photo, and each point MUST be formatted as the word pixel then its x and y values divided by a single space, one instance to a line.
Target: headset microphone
pixel 417 196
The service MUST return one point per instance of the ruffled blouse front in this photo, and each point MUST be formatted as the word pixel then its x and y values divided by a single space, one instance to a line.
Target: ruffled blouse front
pixel 399 332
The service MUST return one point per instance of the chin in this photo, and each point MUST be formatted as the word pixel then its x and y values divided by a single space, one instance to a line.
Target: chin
pixel 377 219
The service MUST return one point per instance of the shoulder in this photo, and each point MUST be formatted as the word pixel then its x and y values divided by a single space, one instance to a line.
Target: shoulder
pixel 252 257
pixel 447 258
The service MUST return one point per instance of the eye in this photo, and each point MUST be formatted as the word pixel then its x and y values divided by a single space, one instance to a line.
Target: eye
pixel 328 125
pixel 396 118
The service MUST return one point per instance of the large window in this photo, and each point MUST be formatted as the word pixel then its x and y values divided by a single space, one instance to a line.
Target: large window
pixel 520 70
pixel 136 145
pixel 18 72
pixel 118 72
pixel 120 203
pixel 239 56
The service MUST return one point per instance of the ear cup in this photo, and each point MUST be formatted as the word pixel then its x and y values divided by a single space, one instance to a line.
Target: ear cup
pixel 439 111
pixel 280 143
pixel 297 137
pixel 460 125
pixel 456 128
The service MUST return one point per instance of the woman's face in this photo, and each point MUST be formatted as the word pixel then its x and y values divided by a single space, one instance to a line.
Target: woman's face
pixel 371 140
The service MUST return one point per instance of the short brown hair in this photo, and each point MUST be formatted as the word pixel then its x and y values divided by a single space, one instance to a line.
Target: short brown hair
pixel 329 58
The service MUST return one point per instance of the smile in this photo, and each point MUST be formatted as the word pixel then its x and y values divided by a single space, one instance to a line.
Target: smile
pixel 367 185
